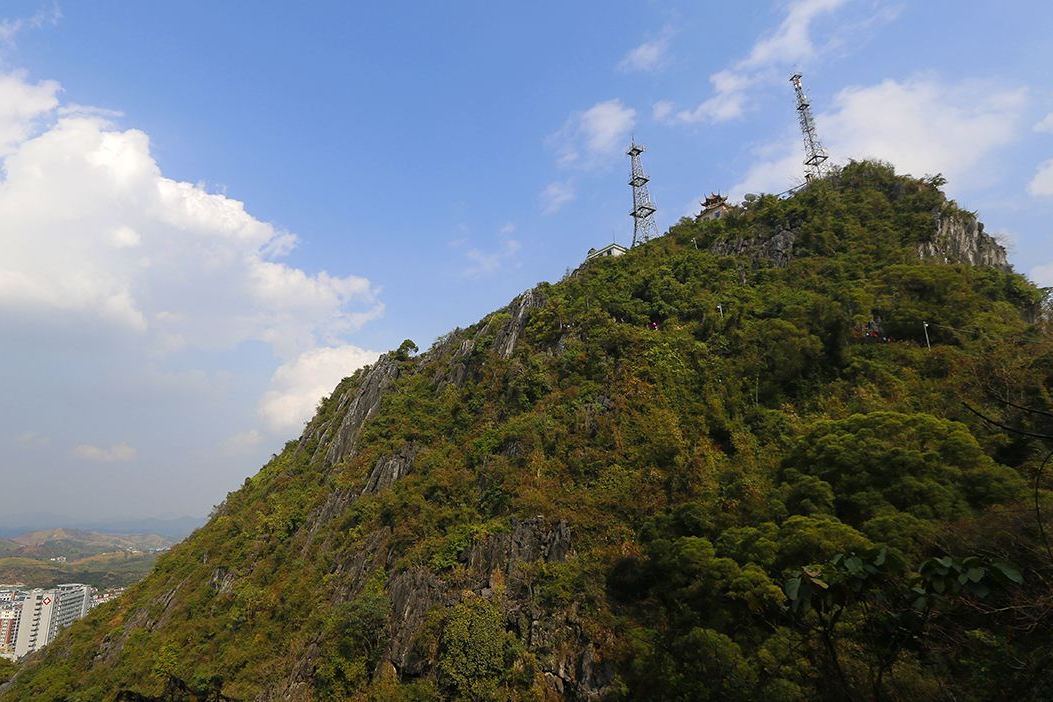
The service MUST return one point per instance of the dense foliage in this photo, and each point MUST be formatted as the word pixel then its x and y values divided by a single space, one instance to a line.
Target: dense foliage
pixel 764 502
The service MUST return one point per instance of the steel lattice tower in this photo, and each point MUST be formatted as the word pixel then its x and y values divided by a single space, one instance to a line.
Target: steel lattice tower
pixel 644 228
pixel 814 153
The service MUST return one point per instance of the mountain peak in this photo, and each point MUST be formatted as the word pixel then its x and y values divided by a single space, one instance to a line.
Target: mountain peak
pixel 631 484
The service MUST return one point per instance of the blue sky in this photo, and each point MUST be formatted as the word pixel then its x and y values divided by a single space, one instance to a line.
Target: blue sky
pixel 213 211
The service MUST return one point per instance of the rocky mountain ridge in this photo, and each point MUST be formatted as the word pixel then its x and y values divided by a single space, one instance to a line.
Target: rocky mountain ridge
pixel 599 491
pixel 957 237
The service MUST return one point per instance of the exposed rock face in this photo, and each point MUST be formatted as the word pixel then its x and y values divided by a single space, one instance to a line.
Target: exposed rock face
pixel 221 580
pixel 960 238
pixel 460 370
pixel 570 662
pixel 529 540
pixel 505 341
pixel 352 570
pixel 336 503
pixel 456 373
pixel 349 576
pixel 413 593
pixel 337 437
pixel 572 667
pixel 776 249
pixel 389 469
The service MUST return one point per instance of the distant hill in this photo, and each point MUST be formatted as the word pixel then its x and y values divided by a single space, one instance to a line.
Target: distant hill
pixel 78 543
pixel 739 462
pixel 52 556
pixel 174 527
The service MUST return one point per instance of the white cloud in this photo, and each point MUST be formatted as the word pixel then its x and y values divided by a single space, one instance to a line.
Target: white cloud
pixel 21 105
pixel 124 237
pixel 1041 184
pixel 649 56
pixel 721 107
pixel 11 28
pixel 118 453
pixel 792 41
pixel 555 196
pixel 94 233
pixel 789 44
pixel 297 386
pixel 1042 275
pixel 483 263
pixel 173 300
pixel 241 443
pixel 32 439
pixel 920 125
pixel 606 124
pixel 662 109
pixel 1045 124
pixel 589 138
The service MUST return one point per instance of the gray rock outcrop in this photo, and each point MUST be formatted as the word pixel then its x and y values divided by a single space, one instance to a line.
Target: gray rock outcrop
pixel 960 238
pixel 389 469
pixel 413 594
pixel 776 248
pixel 508 335
pixel 337 435
pixel 528 540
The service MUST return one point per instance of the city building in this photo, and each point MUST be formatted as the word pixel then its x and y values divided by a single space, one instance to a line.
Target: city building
pixel 106 595
pixel 9 616
pixel 46 612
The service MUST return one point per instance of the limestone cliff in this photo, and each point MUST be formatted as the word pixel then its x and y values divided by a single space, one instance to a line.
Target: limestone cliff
pixel 960 238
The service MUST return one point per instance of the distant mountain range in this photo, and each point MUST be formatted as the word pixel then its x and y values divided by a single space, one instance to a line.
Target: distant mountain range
pixel 78 543
pixel 175 528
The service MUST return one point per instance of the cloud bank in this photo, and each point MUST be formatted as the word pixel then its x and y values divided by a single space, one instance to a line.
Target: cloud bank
pixel 96 243
pixel 789 44
pixel 921 125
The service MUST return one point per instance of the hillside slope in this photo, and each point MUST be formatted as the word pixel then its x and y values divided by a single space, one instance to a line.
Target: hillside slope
pixel 714 468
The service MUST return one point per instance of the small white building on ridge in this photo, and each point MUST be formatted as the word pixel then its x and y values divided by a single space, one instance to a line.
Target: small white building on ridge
pixel 608 250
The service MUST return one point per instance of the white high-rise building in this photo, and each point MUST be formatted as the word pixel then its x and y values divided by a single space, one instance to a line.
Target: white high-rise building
pixel 74 602
pixel 46 612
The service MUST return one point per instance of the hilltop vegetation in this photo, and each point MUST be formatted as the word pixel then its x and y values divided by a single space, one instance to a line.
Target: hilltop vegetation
pixel 615 489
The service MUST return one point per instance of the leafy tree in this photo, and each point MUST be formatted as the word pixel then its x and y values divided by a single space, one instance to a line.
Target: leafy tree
pixel 477 655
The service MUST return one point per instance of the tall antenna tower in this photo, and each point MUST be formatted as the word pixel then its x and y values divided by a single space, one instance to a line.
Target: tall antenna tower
pixel 814 153
pixel 644 228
